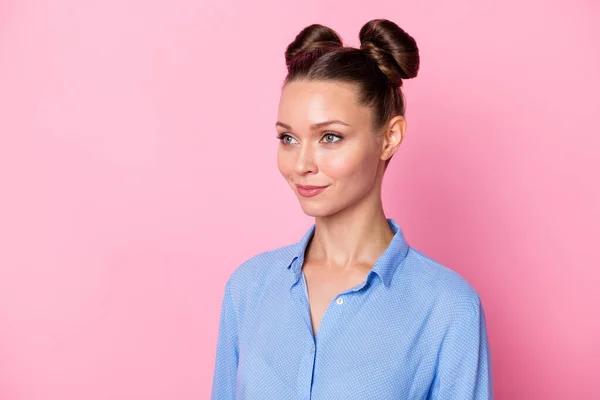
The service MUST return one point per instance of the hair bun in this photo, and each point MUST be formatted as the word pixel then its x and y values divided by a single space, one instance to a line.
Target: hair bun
pixel 395 51
pixel 314 39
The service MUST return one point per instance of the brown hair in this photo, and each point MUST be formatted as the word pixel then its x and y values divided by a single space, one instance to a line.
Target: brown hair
pixel 387 55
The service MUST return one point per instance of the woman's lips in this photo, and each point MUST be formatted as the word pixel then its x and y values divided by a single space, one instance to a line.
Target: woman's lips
pixel 309 191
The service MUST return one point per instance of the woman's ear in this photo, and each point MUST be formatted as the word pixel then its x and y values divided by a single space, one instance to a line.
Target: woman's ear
pixel 392 137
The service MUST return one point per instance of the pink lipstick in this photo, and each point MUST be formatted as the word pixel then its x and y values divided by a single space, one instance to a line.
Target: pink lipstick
pixel 309 191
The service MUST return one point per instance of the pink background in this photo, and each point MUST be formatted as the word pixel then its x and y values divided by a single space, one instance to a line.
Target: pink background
pixel 137 171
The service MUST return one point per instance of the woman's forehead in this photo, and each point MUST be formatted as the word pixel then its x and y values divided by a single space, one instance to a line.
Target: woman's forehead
pixel 309 102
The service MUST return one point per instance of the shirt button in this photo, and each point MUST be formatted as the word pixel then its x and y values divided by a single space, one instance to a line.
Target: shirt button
pixel 340 300
pixel 312 349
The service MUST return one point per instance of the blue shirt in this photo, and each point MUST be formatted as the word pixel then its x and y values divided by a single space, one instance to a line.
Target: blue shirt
pixel 413 329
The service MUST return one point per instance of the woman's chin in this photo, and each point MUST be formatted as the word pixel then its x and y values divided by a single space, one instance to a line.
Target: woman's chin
pixel 317 210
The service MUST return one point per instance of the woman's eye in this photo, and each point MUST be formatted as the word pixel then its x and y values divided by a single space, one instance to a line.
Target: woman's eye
pixel 285 139
pixel 331 138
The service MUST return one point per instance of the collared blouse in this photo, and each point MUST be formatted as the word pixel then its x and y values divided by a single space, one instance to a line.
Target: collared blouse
pixel 413 329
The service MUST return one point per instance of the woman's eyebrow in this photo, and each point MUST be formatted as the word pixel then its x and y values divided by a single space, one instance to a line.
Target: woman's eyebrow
pixel 316 126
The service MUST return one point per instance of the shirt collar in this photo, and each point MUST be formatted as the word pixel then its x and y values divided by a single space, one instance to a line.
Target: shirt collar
pixel 384 267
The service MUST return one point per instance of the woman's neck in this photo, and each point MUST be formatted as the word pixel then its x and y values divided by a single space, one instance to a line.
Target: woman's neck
pixel 350 237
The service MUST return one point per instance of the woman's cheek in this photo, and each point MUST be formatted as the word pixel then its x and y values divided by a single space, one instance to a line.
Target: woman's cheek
pixel 342 164
pixel 285 163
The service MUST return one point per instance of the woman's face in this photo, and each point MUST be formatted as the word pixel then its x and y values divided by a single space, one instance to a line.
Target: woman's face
pixel 327 141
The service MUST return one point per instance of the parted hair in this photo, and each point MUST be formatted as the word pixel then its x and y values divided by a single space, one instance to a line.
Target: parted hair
pixel 387 55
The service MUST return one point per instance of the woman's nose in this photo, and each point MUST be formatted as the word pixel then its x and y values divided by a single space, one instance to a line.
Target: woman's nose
pixel 305 160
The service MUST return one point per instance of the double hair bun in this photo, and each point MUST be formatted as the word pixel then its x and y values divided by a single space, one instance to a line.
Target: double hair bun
pixel 393 50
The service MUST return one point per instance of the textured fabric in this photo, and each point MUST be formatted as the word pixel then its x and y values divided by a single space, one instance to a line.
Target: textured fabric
pixel 413 329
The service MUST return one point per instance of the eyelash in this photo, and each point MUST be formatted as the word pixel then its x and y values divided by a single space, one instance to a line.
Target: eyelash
pixel 281 136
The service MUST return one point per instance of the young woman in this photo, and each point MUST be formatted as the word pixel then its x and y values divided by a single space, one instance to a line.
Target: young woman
pixel 351 311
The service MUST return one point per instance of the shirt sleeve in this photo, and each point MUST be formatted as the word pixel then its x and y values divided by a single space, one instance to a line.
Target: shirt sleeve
pixel 464 369
pixel 226 361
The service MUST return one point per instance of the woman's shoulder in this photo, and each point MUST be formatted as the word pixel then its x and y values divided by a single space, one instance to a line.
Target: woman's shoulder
pixel 261 272
pixel 260 266
pixel 437 281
